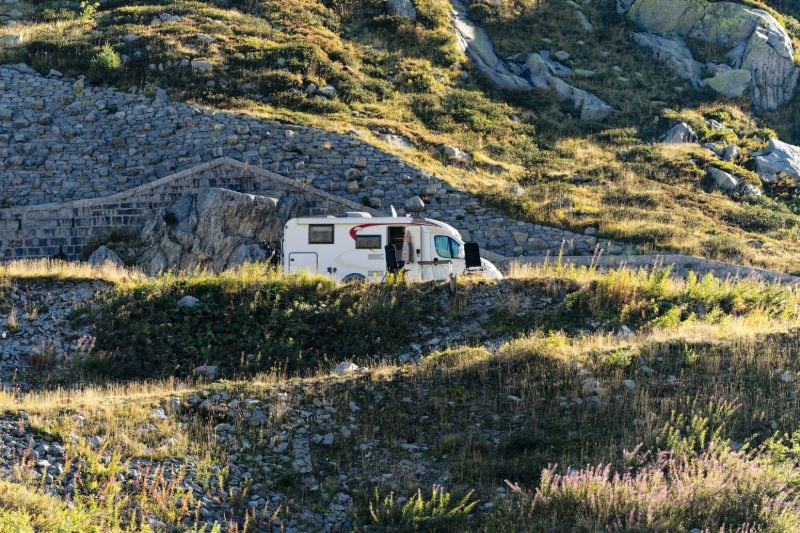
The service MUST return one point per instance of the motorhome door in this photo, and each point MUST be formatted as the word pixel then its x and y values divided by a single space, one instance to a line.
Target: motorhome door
pixel 303 260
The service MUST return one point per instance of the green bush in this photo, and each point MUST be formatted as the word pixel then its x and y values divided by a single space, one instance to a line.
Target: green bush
pixel 756 219
pixel 106 65
pixel 276 81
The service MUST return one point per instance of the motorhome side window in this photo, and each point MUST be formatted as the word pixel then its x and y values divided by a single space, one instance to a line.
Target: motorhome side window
pixel 446 247
pixel 320 234
pixel 368 242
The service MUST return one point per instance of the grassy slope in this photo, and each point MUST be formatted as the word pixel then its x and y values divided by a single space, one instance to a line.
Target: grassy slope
pixel 707 360
pixel 395 76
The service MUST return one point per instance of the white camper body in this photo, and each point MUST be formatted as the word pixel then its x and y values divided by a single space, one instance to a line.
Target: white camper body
pixel 351 248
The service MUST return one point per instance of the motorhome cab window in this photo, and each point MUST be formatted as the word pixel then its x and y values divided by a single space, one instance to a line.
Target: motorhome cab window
pixel 368 242
pixel 320 234
pixel 446 247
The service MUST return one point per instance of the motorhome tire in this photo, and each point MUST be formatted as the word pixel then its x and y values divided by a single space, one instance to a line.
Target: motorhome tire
pixel 355 277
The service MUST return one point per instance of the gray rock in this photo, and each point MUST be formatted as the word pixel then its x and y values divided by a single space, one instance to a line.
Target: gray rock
pixel 732 83
pixel 455 155
pixel 216 229
pixel 680 133
pixel 188 302
pixel 673 52
pixel 397 141
pixel 207 372
pixel 202 65
pixel 12 40
pixel 329 91
pixel 730 153
pixel 205 39
pixel 246 253
pixel 754 39
pixel 724 180
pixel 583 21
pixel 414 205
pixel 104 255
pixel 402 8
pixel 778 158
pixel 346 367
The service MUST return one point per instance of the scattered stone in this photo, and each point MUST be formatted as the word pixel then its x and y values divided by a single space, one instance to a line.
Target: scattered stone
pixel 680 133
pixel 189 302
pixel 724 180
pixel 207 372
pixel 629 384
pixel 329 91
pixel 202 65
pixel 346 367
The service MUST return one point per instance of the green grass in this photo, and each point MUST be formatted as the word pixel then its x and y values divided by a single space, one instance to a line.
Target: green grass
pixel 555 396
pixel 252 320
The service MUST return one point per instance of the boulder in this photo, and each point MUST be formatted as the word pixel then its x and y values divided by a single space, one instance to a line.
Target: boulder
pixel 414 205
pixel 730 153
pixel 346 367
pixel 12 40
pixel 202 65
pixel 673 52
pixel 104 255
pixel 396 141
pixel 207 372
pixel 680 133
pixel 538 72
pixel 474 41
pixel 402 8
pixel 723 180
pixel 329 91
pixel 215 229
pixel 778 158
pixel 188 302
pixel 753 39
pixel 455 155
pixel 731 83
pixel 583 21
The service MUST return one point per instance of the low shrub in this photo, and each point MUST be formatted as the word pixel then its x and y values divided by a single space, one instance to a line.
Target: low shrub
pixel 106 65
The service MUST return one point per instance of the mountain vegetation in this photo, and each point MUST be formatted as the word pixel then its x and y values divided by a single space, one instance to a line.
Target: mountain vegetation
pixel 560 398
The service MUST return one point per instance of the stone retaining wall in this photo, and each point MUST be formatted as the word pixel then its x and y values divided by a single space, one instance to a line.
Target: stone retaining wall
pixel 48 229
pixel 62 141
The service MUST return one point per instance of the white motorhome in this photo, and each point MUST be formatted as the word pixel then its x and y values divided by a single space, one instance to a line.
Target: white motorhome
pixel 354 248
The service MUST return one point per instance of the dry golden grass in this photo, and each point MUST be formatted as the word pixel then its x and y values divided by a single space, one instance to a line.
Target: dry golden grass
pixel 29 269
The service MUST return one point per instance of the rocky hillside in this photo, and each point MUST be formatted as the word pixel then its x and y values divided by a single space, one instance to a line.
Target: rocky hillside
pixel 550 111
pixel 396 407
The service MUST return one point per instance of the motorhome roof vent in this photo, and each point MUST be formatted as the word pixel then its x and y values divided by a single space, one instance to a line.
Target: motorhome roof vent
pixel 358 214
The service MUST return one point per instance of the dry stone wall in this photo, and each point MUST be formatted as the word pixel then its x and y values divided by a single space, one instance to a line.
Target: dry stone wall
pixel 66 142
pixel 50 229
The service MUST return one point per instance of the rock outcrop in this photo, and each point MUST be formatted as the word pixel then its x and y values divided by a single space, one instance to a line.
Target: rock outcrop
pixel 402 8
pixel 753 40
pixel 779 158
pixel 538 71
pixel 680 133
pixel 215 230
pixel 104 255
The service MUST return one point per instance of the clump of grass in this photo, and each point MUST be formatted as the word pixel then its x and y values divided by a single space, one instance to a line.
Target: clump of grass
pixel 44 269
pixel 718 489
pixel 439 511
